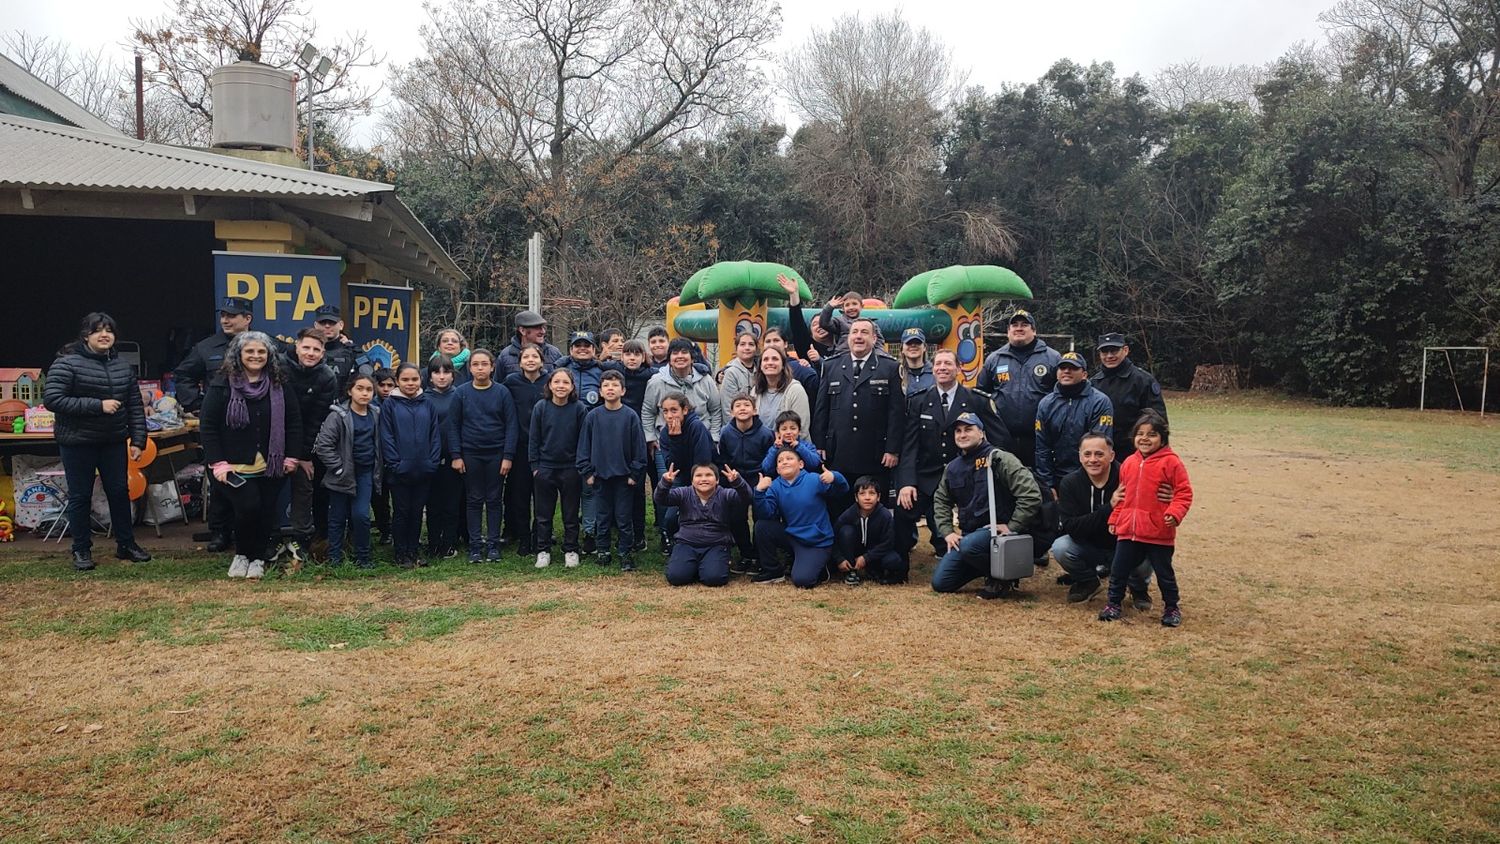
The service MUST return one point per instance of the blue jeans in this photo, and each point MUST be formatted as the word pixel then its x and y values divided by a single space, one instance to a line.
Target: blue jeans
pixel 809 563
pixel 351 514
pixel 1082 561
pixel 1129 555
pixel 706 564
pixel 486 492
pixel 612 496
pixel 970 560
pixel 588 507
pixel 79 463
pixel 664 515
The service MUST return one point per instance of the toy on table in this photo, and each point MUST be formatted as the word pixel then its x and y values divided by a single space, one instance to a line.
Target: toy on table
pixel 18 425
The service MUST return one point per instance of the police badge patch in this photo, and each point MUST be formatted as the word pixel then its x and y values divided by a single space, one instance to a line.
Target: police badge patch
pixel 1040 371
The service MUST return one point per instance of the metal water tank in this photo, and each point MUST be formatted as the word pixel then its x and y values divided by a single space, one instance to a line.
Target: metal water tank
pixel 254 106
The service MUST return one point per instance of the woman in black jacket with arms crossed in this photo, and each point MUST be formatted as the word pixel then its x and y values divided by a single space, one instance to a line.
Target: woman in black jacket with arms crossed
pixel 98 406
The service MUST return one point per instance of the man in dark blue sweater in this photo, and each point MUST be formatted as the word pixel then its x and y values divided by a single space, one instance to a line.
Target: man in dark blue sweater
pixel 611 455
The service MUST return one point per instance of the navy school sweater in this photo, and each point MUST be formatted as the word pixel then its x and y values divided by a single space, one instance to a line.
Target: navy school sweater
pixel 689 448
pixel 880 532
pixel 553 442
pixel 442 402
pixel 483 422
pixel 410 441
pixel 524 395
pixel 744 449
pixel 635 386
pixel 611 444
pixel 701 523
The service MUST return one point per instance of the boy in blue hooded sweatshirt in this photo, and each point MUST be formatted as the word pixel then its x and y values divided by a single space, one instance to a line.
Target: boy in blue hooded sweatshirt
pixel 792 514
pixel 411 448
pixel 611 455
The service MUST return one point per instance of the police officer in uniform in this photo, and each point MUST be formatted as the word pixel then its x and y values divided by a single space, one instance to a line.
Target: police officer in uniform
pixel 339 352
pixel 860 416
pixel 928 447
pixel 191 378
pixel 1130 389
pixel 1017 376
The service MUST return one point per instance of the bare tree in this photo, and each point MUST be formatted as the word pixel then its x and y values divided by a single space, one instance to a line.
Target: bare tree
pixel 873 91
pixel 198 36
pixel 1437 56
pixel 565 97
pixel 1182 83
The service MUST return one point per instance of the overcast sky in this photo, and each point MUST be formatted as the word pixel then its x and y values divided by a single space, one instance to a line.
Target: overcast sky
pixel 996 42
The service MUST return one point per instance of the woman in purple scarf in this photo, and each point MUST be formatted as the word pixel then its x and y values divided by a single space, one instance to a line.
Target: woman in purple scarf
pixel 252 440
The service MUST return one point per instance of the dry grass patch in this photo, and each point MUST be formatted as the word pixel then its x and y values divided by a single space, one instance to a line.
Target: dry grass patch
pixel 1335 679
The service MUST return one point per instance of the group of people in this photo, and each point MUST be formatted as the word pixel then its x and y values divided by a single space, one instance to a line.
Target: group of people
pixel 812 453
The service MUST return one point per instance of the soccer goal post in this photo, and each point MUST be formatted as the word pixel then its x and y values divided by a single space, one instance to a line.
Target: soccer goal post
pixel 1447 355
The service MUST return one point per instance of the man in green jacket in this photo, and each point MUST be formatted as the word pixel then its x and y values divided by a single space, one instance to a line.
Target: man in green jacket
pixel 964 491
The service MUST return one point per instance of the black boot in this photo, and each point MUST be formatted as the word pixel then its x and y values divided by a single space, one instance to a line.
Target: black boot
pixel 133 553
pixel 217 543
pixel 83 561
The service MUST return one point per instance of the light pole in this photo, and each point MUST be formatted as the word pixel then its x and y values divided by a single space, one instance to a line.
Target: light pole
pixel 315 68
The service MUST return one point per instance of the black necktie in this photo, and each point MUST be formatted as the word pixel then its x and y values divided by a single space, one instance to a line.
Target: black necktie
pixel 945 402
pixel 858 365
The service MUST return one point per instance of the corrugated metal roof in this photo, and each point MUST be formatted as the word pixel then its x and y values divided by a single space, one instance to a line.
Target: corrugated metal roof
pixel 20 82
pixel 37 154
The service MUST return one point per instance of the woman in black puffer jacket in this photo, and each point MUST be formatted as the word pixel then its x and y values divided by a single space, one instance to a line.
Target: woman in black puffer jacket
pixel 98 406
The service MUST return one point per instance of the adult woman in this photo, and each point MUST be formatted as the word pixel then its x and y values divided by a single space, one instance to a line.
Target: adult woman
pixel 452 345
pixel 93 394
pixel 776 390
pixel 252 440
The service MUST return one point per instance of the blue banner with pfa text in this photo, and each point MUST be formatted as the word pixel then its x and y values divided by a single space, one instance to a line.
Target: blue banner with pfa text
pixel 382 322
pixel 284 291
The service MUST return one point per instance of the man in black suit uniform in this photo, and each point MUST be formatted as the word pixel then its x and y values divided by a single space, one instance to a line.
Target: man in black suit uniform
pixel 928 447
pixel 860 415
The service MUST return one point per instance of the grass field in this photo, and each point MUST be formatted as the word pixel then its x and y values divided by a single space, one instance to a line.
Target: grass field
pixel 1336 678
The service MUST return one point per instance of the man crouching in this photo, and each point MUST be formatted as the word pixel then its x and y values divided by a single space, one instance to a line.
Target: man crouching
pixel 1018 501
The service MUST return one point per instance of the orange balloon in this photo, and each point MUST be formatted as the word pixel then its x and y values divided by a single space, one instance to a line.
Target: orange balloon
pixel 148 454
pixel 137 484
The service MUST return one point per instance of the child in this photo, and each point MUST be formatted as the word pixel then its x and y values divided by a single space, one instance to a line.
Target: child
pixel 637 375
pixel 701 552
pixel 350 452
pixel 741 445
pixel 526 388
pixel 447 494
pixel 789 435
pixel 385 384
pixel 866 541
pixel 484 449
pixel 611 455
pixel 684 441
pixel 552 444
pixel 1146 529
pixel 791 515
pixel 411 449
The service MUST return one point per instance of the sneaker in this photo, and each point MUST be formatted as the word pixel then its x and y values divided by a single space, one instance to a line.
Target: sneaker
pixel 544 559
pixel 217 543
pixel 238 566
pixel 589 545
pixel 570 559
pixel 627 564
pixel 739 566
pixel 385 538
pixel 133 553
pixel 256 570
pixel 1111 612
pixel 769 577
pixel 450 554
pixel 638 546
pixel 1172 617
pixel 493 553
pixel 364 564
pixel 476 556
pixel 602 559
pixel 1042 561
pixel 852 578
pixel 1084 590
pixel 1140 600
pixel 1065 579
pixel 83 561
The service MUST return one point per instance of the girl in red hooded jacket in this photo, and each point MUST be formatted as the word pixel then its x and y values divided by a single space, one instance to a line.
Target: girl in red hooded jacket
pixel 1145 527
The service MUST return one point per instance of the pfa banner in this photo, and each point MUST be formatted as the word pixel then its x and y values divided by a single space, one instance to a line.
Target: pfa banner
pixel 285 291
pixel 382 322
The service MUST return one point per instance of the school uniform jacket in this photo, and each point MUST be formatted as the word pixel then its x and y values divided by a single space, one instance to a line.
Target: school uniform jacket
pixel 858 419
